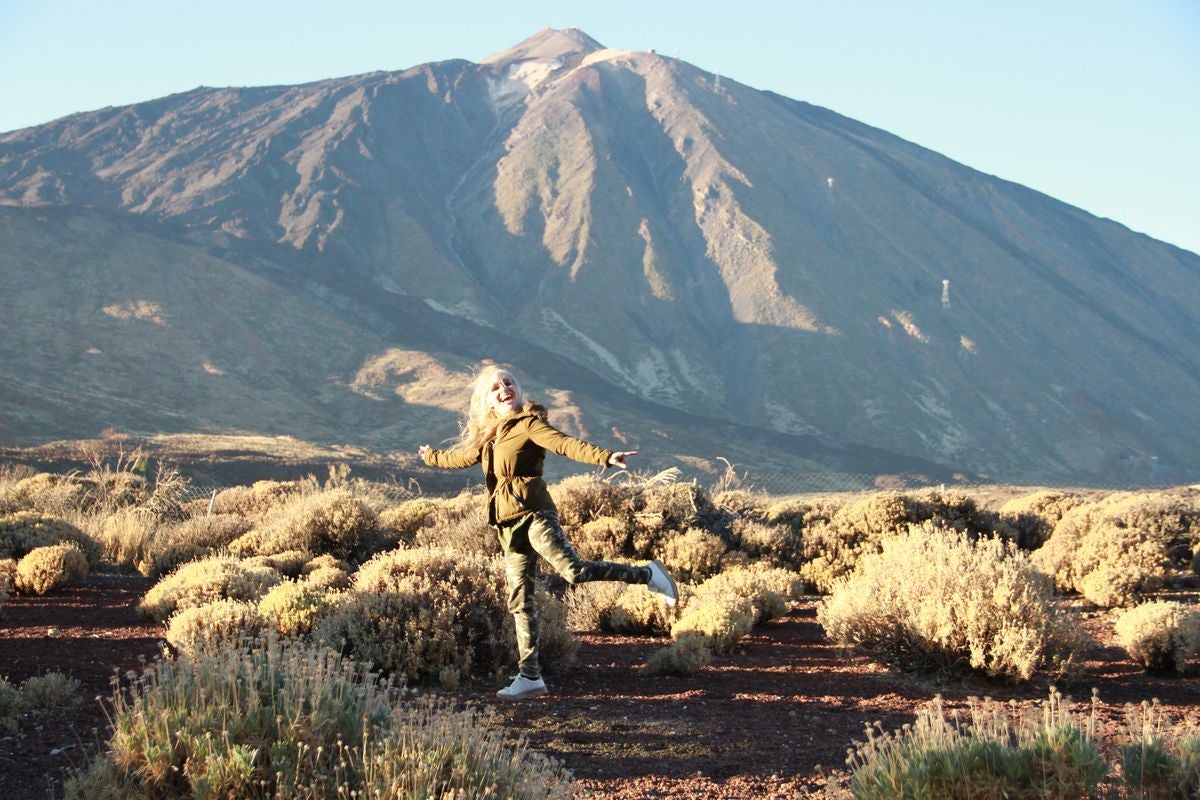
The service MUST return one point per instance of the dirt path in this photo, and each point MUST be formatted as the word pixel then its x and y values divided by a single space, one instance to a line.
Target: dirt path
pixel 755 724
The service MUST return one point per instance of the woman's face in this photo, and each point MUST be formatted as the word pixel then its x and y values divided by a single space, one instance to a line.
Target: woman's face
pixel 502 395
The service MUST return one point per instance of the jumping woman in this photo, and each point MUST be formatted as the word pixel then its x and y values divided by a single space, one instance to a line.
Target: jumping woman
pixel 510 437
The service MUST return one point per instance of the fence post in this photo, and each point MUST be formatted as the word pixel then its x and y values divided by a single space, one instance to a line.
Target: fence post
pixel 211 501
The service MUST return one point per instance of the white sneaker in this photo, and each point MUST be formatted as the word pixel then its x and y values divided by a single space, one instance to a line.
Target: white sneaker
pixel 522 688
pixel 662 583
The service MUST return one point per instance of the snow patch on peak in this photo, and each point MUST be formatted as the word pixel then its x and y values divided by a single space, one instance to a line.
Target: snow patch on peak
pixel 517 80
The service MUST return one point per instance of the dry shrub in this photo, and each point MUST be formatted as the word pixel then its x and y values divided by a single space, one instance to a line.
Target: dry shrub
pixel 190 540
pixel 331 578
pixel 583 498
pixel 1123 546
pixel 294 607
pixel 720 621
pixel 23 531
pixel 767 588
pixel 332 521
pixel 693 556
pixel 290 563
pixel 214 626
pixel 833 549
pixel 327 572
pixel 635 611
pixel 1035 515
pixel 468 533
pixel 401 522
pixel 128 537
pixel 45 569
pixel 934 599
pixel 309 725
pixel 603 539
pixel 687 655
pixel 743 504
pixel 199 582
pixel 258 499
pixel 589 603
pixel 557 647
pixel 1162 636
pixel 49 494
pixel 426 615
pixel 778 544
pixel 676 506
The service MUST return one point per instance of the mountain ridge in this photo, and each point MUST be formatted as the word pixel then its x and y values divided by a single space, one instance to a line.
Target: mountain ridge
pixel 692 242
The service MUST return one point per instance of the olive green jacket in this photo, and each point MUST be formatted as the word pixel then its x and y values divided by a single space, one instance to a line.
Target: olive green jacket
pixel 512 463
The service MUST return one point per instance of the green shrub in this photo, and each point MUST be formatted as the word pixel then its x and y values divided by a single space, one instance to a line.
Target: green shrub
pixel 293 607
pixel 935 600
pixel 692 556
pixel 289 720
pixel 332 521
pixel 45 569
pixel 1162 636
pixel 687 655
pixel 50 691
pixel 427 615
pixel 214 625
pixel 25 530
pixel 1121 547
pixel 8 577
pixel 1158 762
pixel 1051 756
pixel 10 705
pixel 198 582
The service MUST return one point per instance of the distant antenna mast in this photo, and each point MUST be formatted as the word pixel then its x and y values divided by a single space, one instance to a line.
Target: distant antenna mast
pixel 945 293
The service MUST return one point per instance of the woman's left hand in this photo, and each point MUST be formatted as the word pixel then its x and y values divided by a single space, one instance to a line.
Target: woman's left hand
pixel 618 459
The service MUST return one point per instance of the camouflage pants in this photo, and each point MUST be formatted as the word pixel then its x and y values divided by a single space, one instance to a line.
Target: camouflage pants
pixel 523 540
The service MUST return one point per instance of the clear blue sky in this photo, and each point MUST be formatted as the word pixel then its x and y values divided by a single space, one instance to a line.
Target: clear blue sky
pixel 1095 102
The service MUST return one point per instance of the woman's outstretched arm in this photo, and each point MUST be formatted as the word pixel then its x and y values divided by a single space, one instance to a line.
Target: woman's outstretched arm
pixel 554 440
pixel 448 459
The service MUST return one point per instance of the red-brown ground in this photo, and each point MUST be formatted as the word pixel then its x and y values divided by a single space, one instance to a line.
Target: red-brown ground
pixel 755 724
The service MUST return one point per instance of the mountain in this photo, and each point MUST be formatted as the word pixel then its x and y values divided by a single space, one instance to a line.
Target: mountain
pixel 670 258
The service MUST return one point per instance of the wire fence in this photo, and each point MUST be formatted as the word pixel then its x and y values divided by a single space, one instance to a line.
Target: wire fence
pixel 796 483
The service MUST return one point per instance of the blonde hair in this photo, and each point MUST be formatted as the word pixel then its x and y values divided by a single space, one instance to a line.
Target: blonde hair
pixel 482 421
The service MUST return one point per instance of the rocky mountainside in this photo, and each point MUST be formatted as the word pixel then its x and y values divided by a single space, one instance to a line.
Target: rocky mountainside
pixel 669 258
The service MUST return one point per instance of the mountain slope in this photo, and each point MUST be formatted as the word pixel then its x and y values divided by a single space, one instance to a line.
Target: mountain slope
pixel 675 248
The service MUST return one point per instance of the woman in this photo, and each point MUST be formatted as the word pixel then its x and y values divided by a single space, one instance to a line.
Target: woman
pixel 510 436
